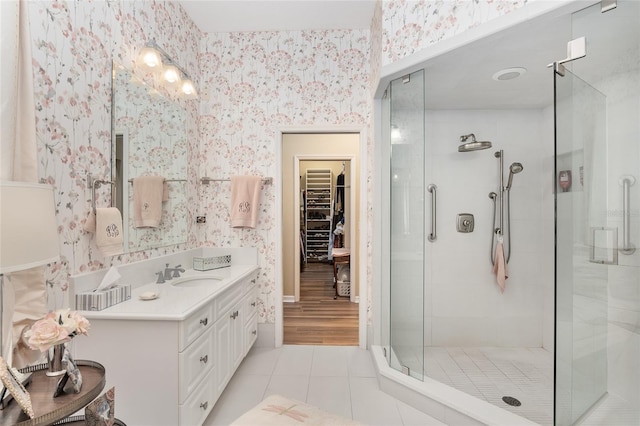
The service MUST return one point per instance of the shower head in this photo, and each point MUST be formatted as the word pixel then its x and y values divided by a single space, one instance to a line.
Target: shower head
pixel 472 145
pixel 514 168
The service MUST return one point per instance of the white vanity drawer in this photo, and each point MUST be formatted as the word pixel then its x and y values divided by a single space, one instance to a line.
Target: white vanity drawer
pixel 250 332
pixel 196 408
pixel 194 363
pixel 194 326
pixel 250 304
pixel 227 299
pixel 250 283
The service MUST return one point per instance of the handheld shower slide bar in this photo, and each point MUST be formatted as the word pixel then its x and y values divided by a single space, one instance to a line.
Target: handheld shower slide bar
pixel 499 206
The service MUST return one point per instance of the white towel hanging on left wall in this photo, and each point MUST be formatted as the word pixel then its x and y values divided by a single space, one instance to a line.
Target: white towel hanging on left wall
pixel 109 231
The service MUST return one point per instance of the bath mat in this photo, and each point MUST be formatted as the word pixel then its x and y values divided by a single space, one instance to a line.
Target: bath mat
pixel 278 410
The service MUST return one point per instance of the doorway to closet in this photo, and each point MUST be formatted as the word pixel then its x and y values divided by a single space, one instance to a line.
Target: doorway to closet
pixel 320 227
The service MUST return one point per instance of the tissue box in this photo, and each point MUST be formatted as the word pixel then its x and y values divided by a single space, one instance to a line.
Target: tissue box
pixel 213 262
pixel 99 300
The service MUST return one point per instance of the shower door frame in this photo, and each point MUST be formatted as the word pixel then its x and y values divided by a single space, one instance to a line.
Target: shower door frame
pixel 406 303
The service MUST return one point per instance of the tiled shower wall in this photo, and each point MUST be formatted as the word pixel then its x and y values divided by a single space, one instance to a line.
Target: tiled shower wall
pixel 463 304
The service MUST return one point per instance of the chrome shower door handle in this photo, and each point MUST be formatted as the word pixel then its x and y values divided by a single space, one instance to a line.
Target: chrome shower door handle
pixel 432 190
pixel 627 247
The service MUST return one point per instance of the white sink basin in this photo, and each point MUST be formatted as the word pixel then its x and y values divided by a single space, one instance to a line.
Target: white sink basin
pixel 195 281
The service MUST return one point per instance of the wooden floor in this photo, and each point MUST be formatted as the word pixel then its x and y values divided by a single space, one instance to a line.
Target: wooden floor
pixel 318 319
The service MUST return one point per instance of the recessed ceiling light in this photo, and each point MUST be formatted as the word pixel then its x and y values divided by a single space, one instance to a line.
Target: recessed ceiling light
pixel 509 73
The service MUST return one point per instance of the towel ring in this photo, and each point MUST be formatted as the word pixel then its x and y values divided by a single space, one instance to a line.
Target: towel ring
pixel 95 183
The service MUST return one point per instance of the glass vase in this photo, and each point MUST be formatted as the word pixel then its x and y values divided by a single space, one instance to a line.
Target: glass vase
pixel 54 358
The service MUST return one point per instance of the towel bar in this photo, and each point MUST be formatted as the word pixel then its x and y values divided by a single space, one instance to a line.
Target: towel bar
pixel 166 180
pixel 205 180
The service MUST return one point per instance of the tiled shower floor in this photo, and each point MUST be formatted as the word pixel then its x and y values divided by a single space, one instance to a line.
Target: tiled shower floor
pixel 492 373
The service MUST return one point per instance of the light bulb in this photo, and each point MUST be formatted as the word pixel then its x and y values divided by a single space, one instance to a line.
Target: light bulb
pixel 171 75
pixel 188 89
pixel 150 58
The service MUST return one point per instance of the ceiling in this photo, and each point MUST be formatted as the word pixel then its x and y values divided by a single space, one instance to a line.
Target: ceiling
pixel 282 15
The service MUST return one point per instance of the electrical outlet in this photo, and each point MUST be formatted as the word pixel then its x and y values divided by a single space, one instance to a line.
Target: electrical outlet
pixel 201 219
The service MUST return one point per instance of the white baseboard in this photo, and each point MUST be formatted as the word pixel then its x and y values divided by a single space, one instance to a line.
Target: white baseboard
pixel 289 299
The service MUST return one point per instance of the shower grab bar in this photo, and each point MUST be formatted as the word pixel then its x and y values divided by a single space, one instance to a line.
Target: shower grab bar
pixel 627 247
pixel 432 189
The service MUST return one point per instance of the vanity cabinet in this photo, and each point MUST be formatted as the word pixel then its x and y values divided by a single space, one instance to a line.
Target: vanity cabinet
pixel 172 372
pixel 232 343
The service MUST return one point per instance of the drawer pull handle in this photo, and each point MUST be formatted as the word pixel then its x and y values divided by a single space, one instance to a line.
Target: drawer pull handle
pixel 204 405
pixel 234 315
pixel 204 321
pixel 253 304
pixel 254 332
pixel 253 281
pixel 204 359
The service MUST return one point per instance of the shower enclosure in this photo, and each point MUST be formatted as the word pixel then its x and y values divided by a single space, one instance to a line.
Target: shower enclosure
pixel 561 344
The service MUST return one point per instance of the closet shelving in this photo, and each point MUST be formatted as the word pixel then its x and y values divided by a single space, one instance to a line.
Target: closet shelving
pixel 318 213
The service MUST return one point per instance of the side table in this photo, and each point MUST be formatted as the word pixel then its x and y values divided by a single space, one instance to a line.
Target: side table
pixel 48 409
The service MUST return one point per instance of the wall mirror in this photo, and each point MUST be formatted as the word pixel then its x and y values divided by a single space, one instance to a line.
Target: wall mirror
pixel 149 138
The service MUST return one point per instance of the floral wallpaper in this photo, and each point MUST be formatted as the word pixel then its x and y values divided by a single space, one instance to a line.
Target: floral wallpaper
pixel 250 84
pixel 412 25
pixel 253 84
pixel 74 43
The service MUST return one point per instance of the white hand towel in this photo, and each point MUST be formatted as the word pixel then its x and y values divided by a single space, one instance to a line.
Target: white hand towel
pixel 245 201
pixel 109 231
pixel 500 266
pixel 147 201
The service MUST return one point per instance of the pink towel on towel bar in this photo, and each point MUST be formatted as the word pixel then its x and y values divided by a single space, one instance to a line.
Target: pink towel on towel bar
pixel 500 266
pixel 147 201
pixel 245 200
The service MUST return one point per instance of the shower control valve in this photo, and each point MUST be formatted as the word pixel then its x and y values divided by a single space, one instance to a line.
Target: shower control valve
pixel 465 222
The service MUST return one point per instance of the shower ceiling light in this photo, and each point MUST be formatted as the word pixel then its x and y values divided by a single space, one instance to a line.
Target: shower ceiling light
pixel 509 73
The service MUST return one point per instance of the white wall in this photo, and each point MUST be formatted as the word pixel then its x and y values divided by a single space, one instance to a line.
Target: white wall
pixel 464 305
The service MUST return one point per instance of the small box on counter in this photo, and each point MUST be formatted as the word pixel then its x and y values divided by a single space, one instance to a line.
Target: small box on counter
pixel 99 300
pixel 213 262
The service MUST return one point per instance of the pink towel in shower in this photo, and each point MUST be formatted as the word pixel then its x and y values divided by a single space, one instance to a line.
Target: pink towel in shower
pixel 245 200
pixel 500 266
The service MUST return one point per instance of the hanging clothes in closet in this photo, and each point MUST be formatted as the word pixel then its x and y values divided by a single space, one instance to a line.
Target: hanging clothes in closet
pixel 339 200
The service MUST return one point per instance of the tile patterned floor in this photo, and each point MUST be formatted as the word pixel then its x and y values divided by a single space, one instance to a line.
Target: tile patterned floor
pixel 337 379
pixel 492 373
pixel 341 380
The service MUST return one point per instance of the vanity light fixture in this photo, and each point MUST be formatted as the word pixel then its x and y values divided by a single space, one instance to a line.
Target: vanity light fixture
pixel 171 75
pixel 150 58
pixel 153 58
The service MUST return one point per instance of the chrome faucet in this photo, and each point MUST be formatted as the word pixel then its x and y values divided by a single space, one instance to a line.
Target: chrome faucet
pixel 177 270
pixel 160 277
pixel 170 273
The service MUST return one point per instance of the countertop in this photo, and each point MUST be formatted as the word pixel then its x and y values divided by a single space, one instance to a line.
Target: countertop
pixel 175 303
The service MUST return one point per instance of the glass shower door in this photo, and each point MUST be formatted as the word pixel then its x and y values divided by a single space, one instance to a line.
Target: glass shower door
pixel 585 245
pixel 407 225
